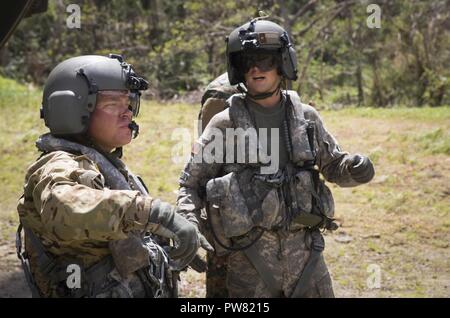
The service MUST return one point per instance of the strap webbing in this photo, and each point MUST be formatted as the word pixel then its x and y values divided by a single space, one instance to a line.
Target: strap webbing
pixel 317 247
pixel 265 274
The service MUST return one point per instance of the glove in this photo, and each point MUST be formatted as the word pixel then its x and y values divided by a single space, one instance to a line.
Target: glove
pixel 164 221
pixel 198 264
pixel 203 241
pixel 361 168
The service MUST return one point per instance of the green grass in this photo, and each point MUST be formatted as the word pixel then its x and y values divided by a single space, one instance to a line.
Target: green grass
pixel 14 95
pixel 19 128
pixel 406 205
pixel 420 114
pixel 436 141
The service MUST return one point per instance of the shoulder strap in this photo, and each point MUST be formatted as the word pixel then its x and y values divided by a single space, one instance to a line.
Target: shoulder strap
pixel 301 130
pixel 25 264
pixel 239 114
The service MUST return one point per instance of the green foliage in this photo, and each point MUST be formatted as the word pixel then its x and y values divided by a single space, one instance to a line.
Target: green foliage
pixel 179 45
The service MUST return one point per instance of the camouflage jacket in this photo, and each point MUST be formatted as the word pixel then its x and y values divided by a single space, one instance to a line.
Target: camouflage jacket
pixel 76 210
pixel 331 161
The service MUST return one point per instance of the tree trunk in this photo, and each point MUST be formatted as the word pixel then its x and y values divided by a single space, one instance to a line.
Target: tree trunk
pixel 359 84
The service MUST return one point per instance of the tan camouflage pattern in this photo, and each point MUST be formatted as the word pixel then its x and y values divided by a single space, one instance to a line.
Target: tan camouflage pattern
pixel 213 100
pixel 219 87
pixel 82 215
pixel 211 107
pixel 72 209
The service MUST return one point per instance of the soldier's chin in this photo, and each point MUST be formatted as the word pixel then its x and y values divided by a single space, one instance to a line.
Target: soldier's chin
pixel 125 138
pixel 259 87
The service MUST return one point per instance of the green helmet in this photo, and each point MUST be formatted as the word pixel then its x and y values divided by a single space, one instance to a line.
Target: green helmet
pixel 70 92
pixel 260 36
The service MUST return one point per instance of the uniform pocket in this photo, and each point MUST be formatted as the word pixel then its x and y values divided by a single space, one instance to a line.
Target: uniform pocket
pixel 304 188
pixel 234 215
pixel 327 199
pixel 92 179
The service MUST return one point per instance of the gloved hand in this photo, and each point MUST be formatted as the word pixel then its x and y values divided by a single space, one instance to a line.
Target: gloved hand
pixel 361 168
pixel 164 221
pixel 203 241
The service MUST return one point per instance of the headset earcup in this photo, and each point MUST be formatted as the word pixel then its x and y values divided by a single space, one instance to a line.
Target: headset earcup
pixel 66 113
pixel 289 63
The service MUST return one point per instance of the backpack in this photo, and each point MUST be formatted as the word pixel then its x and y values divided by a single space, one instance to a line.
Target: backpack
pixel 214 99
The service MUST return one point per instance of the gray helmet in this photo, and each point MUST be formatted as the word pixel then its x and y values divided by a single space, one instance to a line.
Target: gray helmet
pixel 260 35
pixel 70 92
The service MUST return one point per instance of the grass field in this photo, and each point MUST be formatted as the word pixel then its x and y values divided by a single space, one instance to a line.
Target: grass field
pixel 397 226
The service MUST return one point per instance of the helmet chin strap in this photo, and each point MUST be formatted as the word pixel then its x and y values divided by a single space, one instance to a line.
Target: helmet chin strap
pixel 264 95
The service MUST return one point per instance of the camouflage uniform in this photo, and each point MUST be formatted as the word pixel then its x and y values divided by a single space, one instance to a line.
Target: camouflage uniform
pixel 284 250
pixel 83 211
pixel 213 102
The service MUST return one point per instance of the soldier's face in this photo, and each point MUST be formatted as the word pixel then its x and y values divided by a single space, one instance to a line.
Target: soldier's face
pixel 109 122
pixel 261 75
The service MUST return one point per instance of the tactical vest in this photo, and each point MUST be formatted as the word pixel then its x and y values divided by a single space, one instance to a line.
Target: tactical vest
pixel 243 199
pixel 136 255
pixel 302 151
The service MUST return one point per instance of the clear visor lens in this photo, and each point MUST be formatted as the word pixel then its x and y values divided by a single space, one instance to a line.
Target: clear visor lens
pixel 135 102
pixel 132 96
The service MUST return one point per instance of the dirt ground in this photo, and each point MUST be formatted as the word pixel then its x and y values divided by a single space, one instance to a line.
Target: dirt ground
pixel 12 279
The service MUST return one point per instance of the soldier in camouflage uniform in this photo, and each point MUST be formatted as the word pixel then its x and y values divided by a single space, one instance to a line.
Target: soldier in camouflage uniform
pixel 83 212
pixel 214 101
pixel 267 222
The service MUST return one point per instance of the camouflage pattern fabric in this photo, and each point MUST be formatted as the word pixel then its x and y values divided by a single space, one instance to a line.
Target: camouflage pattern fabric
pixel 331 161
pixel 77 210
pixel 286 254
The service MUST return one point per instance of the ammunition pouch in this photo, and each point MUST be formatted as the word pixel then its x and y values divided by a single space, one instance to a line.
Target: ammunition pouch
pixel 311 203
pixel 244 202
pixel 294 198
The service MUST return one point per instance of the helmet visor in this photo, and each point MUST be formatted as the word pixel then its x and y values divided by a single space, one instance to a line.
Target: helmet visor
pixel 116 98
pixel 263 61
pixel 135 102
